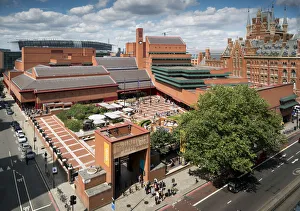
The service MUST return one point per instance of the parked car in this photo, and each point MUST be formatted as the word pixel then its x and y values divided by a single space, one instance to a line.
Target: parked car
pixel 19 133
pixel 16 128
pixel 14 124
pixel 22 140
pixel 9 111
pixel 30 154
pixel 24 147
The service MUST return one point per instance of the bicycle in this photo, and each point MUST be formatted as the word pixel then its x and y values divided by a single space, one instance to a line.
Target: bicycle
pixel 68 207
pixel 63 198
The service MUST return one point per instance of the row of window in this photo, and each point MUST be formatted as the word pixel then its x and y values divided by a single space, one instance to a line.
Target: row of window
pixel 271 63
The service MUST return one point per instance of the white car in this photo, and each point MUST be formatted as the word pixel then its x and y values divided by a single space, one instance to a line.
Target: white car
pixel 22 140
pixel 19 133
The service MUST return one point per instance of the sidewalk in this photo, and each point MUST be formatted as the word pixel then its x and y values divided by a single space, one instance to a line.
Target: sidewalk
pixel 140 201
pixel 60 179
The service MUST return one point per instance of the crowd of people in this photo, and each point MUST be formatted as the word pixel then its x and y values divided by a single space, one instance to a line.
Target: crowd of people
pixel 156 189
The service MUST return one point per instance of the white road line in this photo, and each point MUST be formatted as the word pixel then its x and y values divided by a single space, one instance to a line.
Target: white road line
pixel 229 202
pixel 260 179
pixel 42 177
pixel 272 170
pixel 281 164
pixel 297 152
pixel 290 158
pixel 210 195
pixel 9 153
pixel 43 207
pixel 17 190
pixel 252 169
pixel 27 192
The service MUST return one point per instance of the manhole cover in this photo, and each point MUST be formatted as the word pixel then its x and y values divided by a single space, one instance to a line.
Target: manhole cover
pixel 92 171
pixel 128 205
pixel 296 171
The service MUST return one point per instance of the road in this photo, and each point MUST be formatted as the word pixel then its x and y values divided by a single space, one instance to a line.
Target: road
pixel 271 178
pixel 22 187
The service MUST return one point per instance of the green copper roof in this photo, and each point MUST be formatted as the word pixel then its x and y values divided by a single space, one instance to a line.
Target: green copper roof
pixel 289 104
pixel 288 98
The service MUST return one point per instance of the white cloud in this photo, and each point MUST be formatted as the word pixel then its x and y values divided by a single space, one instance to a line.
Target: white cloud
pixel 199 28
pixel 152 7
pixel 295 3
pixel 101 4
pixel 81 10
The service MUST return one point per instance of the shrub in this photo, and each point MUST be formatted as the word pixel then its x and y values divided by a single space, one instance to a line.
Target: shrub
pixel 74 125
pixel 114 121
pixel 80 116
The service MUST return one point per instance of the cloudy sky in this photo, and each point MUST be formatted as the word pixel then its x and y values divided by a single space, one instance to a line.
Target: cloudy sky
pixel 201 23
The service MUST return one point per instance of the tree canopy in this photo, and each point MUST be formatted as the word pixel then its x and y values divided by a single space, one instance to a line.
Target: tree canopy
pixel 160 139
pixel 228 128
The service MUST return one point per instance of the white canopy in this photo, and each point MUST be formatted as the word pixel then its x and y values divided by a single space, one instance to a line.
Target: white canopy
pixel 99 121
pixel 118 112
pixel 127 110
pixel 116 105
pixel 111 115
pixel 97 117
pixel 107 106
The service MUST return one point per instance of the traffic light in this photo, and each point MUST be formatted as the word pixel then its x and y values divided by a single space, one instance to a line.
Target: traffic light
pixel 72 199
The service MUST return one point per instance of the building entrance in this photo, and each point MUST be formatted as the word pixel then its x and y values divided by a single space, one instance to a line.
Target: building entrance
pixel 127 171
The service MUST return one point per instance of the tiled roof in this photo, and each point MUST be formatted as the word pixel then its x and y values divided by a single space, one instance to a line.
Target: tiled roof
pixel 135 85
pixel 276 49
pixel 25 82
pixel 165 40
pixel 116 62
pixel 45 71
pixel 129 75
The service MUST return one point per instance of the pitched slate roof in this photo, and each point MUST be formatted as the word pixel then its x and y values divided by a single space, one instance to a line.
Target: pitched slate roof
pixel 129 75
pixel 25 82
pixel 46 71
pixel 165 40
pixel 117 62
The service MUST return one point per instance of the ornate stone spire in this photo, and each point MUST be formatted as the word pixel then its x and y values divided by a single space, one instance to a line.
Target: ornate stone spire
pixel 248 19
pixel 272 15
pixel 285 18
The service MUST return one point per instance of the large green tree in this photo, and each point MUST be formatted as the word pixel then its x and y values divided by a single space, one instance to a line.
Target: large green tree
pixel 160 139
pixel 227 129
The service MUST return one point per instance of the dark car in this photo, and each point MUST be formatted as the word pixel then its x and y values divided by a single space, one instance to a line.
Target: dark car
pixel 14 124
pixel 236 185
pixel 30 154
pixel 16 128
pixel 9 111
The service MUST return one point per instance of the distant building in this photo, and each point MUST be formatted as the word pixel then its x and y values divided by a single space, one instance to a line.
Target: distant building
pixel 269 55
pixel 8 58
pixel 98 46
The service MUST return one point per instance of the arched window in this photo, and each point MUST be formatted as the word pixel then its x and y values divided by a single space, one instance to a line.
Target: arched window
pixel 284 81
pixel 284 73
pixel 293 74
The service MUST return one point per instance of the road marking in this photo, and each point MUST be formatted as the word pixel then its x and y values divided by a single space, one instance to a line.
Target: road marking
pixel 245 173
pixel 294 161
pixel 272 170
pixel 260 179
pixel 1 169
pixel 281 164
pixel 24 181
pixel 209 195
pixel 17 190
pixel 43 207
pixel 9 153
pixel 290 158
pixel 297 152
pixel 229 202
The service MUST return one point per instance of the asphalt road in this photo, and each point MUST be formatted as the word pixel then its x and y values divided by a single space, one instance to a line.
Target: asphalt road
pixel 21 187
pixel 269 179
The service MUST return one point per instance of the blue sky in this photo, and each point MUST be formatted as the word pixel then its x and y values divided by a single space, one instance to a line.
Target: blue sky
pixel 201 23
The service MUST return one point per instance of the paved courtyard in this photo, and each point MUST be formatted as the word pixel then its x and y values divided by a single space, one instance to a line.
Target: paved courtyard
pixel 79 153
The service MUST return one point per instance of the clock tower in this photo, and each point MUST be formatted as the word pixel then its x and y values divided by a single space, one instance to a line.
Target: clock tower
pixel 139 48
